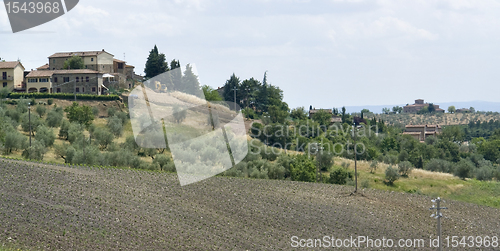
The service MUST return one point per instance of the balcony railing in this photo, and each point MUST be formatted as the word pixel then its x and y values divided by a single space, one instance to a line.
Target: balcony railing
pixel 7 78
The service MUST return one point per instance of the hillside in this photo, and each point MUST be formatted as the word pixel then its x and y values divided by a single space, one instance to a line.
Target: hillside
pixel 46 207
pixel 439 119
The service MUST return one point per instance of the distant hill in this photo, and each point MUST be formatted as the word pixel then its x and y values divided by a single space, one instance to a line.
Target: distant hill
pixel 478 105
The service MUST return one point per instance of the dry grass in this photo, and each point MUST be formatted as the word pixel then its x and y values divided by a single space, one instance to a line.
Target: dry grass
pixel 424 174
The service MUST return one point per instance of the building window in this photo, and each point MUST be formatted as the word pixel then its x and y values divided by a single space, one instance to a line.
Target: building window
pixel 4 84
pixel 77 79
pixel 83 89
pixel 77 89
pixel 87 79
pixel 55 79
pixel 92 59
pixel 4 75
pixel 93 89
pixel 32 80
pixel 53 61
pixel 58 90
pixel 65 79
pixel 44 80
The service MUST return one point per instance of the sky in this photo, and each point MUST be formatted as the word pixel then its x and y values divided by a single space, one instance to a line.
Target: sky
pixel 322 53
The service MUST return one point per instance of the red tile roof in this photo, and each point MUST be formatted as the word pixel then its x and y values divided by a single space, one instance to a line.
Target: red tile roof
pixel 34 74
pixel 9 64
pixel 43 67
pixel 78 53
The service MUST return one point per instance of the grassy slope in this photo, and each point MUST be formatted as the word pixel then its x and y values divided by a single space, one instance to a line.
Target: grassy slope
pixel 432 184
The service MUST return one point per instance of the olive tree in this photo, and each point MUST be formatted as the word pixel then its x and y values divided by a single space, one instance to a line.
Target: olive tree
pixel 36 151
pixel 391 175
pixel 115 126
pixel 103 137
pixel 46 135
pixel 40 110
pixel 54 118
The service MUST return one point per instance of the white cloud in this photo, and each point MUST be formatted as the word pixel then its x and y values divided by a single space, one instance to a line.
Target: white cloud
pixel 328 45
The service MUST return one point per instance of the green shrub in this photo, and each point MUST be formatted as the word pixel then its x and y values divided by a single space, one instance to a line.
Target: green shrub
pixel 269 153
pixel 303 169
pixel 40 110
pixel 340 176
pixel 405 168
pixel 54 118
pixel 324 160
pixel 63 131
pixel 69 96
pixel 162 161
pixel 439 165
pixel 115 126
pixel 275 171
pixel 464 169
pixel 111 111
pixel 15 115
pixel 485 173
pixel 390 159
pixel 249 113
pixel 103 137
pixel 25 122
pixel 95 111
pixel 22 105
pixel 46 135
pixel 75 130
pixel 391 175
pixel 50 101
pixel 365 184
pixel 14 140
pixel 36 151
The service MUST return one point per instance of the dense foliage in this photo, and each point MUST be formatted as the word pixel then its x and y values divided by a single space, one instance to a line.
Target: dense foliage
pixel 69 96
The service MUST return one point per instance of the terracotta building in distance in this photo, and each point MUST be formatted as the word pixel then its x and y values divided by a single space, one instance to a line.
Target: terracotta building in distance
pixel 421 132
pixel 419 105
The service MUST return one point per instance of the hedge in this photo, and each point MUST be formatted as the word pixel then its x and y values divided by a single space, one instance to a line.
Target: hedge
pixel 63 96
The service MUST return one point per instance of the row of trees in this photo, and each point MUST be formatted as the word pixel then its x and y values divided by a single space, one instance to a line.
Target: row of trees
pixel 257 99
pixel 176 80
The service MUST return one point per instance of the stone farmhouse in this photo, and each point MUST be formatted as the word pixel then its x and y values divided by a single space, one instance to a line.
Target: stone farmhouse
pixel 421 132
pixel 83 81
pixel 102 71
pixel 12 74
pixel 419 105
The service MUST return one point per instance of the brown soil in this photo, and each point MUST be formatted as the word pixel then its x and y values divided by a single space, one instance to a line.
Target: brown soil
pixel 62 208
